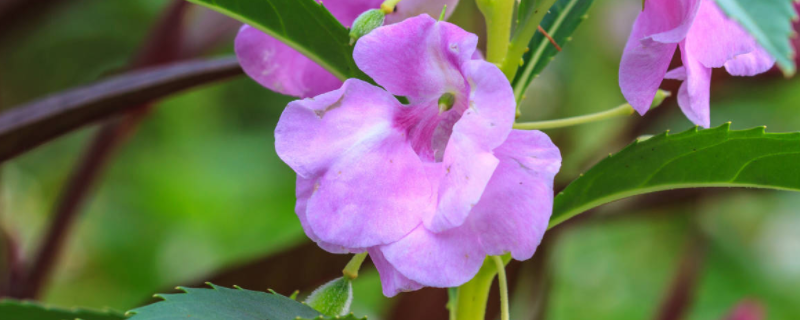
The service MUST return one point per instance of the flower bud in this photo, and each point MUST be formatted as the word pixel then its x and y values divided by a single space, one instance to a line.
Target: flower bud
pixel 333 298
pixel 365 23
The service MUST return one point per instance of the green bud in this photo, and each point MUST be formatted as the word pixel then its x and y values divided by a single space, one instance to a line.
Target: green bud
pixel 661 95
pixel 365 23
pixel 333 298
pixel 446 102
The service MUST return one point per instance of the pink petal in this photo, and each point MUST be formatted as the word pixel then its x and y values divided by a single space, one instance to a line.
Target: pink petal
pixel 515 209
pixel 370 187
pixel 418 58
pixel 392 281
pixel 280 68
pixel 678 73
pixel 413 8
pixel 644 62
pixel 447 259
pixel 750 64
pixel 714 39
pixel 694 96
pixel 304 190
pixel 468 160
pixel 670 19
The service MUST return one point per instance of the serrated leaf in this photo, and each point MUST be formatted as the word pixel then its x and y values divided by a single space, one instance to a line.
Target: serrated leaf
pixel 304 25
pixel 27 310
pixel 717 157
pixel 219 303
pixel 770 23
pixel 562 20
pixel 347 317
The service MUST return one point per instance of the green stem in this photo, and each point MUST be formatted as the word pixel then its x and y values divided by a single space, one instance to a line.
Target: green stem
pixel 501 280
pixel 472 296
pixel 498 15
pixel 519 44
pixel 351 269
pixel 623 110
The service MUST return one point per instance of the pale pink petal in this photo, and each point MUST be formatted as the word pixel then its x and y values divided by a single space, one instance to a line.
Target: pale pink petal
pixel 750 64
pixel 392 281
pixel 446 259
pixel 714 39
pixel 304 190
pixel 280 68
pixel 678 73
pixel 369 186
pixel 468 159
pixel 515 209
pixel 644 63
pixel 419 58
pixel 413 8
pixel 694 96
pixel 670 19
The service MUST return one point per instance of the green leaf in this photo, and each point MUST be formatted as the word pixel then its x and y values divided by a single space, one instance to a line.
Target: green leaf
pixel 560 23
pixel 19 310
pixel 304 25
pixel 220 303
pixel 770 23
pixel 715 157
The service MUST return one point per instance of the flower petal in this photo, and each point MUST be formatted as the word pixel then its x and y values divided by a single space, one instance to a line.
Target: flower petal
pixel 515 209
pixel 644 63
pixel 750 64
pixel 370 187
pixel 418 58
pixel 412 8
pixel 694 96
pixel 447 259
pixel 304 190
pixel 468 159
pixel 670 20
pixel 280 68
pixel 392 281
pixel 714 38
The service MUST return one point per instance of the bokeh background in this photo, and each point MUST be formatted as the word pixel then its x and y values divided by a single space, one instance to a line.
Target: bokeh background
pixel 197 192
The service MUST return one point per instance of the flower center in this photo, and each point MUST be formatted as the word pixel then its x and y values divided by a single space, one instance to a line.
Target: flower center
pixel 429 125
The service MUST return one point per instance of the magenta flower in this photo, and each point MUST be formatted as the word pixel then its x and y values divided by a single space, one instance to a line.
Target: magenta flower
pixel 430 188
pixel 280 68
pixel 707 39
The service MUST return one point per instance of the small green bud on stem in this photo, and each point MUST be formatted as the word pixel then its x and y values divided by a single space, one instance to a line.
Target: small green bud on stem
pixel 365 23
pixel 333 298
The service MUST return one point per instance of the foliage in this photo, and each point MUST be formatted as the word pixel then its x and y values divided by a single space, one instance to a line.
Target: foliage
pixel 696 158
pixel 565 16
pixel 219 303
pixel 305 25
pixel 13 310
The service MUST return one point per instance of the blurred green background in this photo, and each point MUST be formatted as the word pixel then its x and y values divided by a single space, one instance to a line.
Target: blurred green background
pixel 199 188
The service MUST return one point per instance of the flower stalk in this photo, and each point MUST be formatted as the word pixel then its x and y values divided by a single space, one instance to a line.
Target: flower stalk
pixel 351 269
pixel 472 296
pixel 523 35
pixel 498 15
pixel 621 111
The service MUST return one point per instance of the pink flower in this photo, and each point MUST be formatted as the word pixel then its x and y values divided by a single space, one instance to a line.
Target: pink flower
pixel 280 68
pixel 707 39
pixel 428 189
